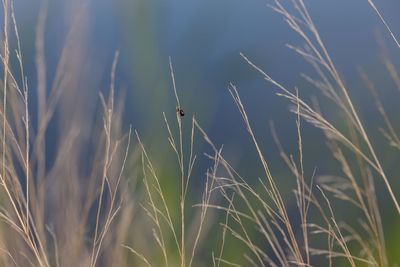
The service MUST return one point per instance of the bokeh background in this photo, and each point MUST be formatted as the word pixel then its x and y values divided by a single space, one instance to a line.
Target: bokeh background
pixel 204 39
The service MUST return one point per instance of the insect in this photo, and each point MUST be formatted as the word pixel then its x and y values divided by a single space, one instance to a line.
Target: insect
pixel 180 111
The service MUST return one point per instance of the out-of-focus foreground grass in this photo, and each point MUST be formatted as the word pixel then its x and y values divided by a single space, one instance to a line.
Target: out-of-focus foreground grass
pixel 79 187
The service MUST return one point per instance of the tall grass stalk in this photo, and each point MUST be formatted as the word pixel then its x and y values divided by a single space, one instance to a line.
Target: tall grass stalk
pixel 66 213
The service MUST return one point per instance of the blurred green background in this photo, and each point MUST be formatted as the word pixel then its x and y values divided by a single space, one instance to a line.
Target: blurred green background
pixel 204 39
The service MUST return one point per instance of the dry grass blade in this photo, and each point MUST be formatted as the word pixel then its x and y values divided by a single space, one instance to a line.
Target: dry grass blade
pixel 372 4
pixel 139 255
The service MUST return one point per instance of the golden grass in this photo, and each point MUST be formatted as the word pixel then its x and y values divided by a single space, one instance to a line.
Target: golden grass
pixel 61 215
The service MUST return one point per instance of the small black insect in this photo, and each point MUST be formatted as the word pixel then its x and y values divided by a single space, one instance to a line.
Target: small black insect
pixel 180 111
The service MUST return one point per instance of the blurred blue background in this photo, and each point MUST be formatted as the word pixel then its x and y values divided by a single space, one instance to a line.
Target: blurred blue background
pixel 204 39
